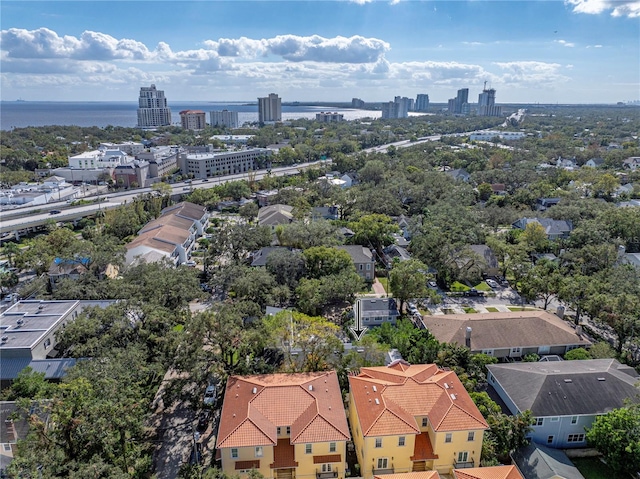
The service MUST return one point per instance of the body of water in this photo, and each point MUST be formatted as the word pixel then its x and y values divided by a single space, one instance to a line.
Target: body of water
pixel 20 114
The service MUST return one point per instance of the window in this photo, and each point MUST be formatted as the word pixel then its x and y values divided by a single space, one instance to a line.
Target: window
pixel 463 456
pixel 538 421
pixel 383 462
pixel 401 441
pixel 288 430
pixel 425 422
pixel 279 430
pixel 378 442
pixel 516 351
pixel 488 352
pixel 368 267
pixel 471 436
pixel 361 267
pixel 234 453
pixel 448 437
pixel 550 440
pixel 555 419
pixel 332 447
pixel 307 448
pixel 544 349
pixel 7 447
pixel 326 468
pixel 259 451
pixel 575 438
pixel 574 419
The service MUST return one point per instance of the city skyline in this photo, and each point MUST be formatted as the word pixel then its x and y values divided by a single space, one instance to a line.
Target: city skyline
pixel 573 51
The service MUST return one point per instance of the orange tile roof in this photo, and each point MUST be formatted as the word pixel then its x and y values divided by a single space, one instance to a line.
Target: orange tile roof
pixel 423 449
pixel 388 400
pixel 411 475
pixel 255 406
pixel 494 472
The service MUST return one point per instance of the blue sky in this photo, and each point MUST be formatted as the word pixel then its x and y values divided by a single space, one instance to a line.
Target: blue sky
pixel 566 51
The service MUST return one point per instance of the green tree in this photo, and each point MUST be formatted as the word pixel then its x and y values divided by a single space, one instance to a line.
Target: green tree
pixel 11 250
pixel 374 231
pixel 509 432
pixel 29 385
pixel 324 261
pixel 616 435
pixel 408 280
pixel 577 354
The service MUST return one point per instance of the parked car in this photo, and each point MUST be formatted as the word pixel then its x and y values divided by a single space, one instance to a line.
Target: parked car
pixel 432 284
pixel 473 292
pixel 492 283
pixel 190 263
pixel 210 395
pixel 205 180
pixel 203 421
pixel 55 212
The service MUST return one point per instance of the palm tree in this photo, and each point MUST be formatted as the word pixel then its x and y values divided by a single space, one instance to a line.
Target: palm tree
pixel 11 250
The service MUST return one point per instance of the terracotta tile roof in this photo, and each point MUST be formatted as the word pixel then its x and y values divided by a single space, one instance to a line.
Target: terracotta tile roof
pixel 327 458
pixel 423 449
pixel 494 472
pixel 283 455
pixel 255 406
pixel 411 475
pixel 504 330
pixel 388 400
pixel 251 464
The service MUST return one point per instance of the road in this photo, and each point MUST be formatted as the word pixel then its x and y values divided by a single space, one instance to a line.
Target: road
pixel 22 218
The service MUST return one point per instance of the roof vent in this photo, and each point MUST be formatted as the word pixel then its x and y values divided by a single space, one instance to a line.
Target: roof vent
pixel 377 402
pixel 446 385
pixel 254 390
pixel 567 380
pixel 41 306
pixel 329 408
pixel 19 321
pixel 4 339
pixel 602 379
pixel 453 396
pixel 375 389
pixel 310 387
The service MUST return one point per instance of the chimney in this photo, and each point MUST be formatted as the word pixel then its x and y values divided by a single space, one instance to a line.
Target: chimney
pixel 467 337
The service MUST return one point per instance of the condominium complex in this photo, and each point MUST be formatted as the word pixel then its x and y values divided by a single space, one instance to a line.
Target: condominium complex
pixel 398 108
pixel 422 102
pixel 460 104
pixel 224 118
pixel 99 159
pixel 328 117
pixel 152 108
pixel 487 103
pixel 193 120
pixel 357 103
pixel 270 108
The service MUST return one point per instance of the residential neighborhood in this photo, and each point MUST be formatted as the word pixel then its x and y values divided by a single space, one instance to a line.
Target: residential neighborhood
pixel 399 298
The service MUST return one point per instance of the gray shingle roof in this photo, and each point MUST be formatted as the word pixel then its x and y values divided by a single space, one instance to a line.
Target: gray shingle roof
pixel 565 388
pixel 359 254
pixel 538 462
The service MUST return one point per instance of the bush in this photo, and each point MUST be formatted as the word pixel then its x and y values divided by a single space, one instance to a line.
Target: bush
pixel 531 358
pixel 577 354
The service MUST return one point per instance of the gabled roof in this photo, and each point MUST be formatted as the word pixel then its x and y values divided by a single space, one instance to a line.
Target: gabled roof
pixel 185 209
pixel 411 475
pixel 504 330
pixel 564 388
pixel 359 254
pixel 494 472
pixel 275 215
pixel 539 462
pixel 389 399
pixel 551 226
pixel 255 406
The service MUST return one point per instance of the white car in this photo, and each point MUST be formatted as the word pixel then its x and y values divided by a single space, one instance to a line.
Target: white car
pixel 210 396
pixel 491 283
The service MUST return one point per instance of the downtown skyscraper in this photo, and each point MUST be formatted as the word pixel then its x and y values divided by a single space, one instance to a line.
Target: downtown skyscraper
pixel 152 108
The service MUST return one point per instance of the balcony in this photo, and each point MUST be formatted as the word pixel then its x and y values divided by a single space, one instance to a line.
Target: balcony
pixel 389 470
pixel 326 475
pixel 463 465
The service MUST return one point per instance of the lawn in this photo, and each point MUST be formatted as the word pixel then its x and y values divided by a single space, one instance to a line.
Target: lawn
pixel 385 283
pixel 520 308
pixel 594 468
pixel 491 309
pixel 469 310
pixel 456 286
pixel 482 286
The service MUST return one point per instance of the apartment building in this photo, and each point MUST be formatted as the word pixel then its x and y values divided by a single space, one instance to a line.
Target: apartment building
pixel 411 418
pixel 285 426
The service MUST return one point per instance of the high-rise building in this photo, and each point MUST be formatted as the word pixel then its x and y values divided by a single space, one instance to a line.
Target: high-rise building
pixel 422 102
pixel 329 117
pixel 152 108
pixel 193 120
pixel 224 118
pixel 357 103
pixel 460 104
pixel 398 108
pixel 487 103
pixel 270 108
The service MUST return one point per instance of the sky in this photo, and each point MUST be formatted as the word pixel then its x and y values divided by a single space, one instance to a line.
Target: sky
pixel 535 51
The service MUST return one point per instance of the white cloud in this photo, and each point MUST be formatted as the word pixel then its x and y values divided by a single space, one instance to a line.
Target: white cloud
pixel 531 73
pixel 565 43
pixel 618 8
pixel 361 2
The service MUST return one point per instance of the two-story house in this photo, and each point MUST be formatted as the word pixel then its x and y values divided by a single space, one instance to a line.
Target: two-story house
pixel 410 418
pixel 284 426
pixel 565 397
pixel 363 260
